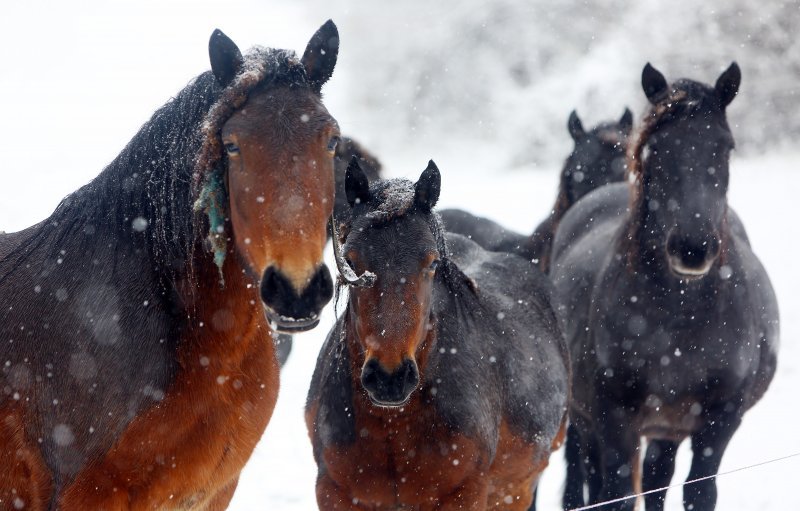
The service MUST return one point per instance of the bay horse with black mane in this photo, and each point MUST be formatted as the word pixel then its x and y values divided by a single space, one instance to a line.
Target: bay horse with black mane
pixel 670 317
pixel 444 384
pixel 137 366
pixel 598 158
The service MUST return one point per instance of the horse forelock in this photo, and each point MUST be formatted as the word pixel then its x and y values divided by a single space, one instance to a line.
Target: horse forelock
pixel 261 67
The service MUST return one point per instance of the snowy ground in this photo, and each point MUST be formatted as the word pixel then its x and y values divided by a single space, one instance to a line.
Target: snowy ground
pixel 77 84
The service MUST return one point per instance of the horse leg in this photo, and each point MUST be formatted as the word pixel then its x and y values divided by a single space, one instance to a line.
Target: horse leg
pixel 708 446
pixel 619 445
pixel 659 465
pixel 573 488
pixel 283 346
pixel 25 481
pixel 592 466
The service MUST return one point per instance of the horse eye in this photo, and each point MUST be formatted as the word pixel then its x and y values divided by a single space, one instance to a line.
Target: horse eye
pixel 231 148
pixel 349 263
pixel 332 143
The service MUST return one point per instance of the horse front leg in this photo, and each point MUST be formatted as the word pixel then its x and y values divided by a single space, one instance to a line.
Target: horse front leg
pixel 573 487
pixel 659 465
pixel 708 447
pixel 619 454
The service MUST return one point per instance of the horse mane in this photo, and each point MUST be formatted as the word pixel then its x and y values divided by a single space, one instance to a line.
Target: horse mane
pixel 147 196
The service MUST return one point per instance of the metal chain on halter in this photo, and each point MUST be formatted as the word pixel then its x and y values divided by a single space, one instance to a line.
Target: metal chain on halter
pixel 346 274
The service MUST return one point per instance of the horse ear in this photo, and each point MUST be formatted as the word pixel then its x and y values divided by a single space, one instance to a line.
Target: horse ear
pixel 356 184
pixel 727 85
pixel 575 126
pixel 626 121
pixel 320 56
pixel 226 59
pixel 653 83
pixel 427 188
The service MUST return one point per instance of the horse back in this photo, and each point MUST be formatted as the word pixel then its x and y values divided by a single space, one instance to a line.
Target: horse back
pixel 510 334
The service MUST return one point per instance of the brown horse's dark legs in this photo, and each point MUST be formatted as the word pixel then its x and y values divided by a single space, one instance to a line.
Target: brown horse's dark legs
pixel 708 446
pixel 659 465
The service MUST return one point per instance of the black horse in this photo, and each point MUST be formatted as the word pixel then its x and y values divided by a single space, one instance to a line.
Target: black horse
pixel 598 158
pixel 136 368
pixel 671 319
pixel 443 385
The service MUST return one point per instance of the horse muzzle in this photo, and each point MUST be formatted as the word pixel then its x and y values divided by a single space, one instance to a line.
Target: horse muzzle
pixel 691 258
pixel 290 310
pixel 390 390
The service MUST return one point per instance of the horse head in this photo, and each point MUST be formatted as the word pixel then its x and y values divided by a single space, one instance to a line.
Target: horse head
pixel 278 145
pixel 598 157
pixel 395 235
pixel 681 163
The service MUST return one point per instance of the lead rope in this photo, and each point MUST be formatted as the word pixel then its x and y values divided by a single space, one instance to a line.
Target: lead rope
pixel 346 273
pixel 677 485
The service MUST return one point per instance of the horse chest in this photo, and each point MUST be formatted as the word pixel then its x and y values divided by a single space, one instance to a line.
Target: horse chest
pixel 672 346
pixel 403 460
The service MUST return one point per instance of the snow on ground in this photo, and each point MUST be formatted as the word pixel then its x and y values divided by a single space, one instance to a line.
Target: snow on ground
pixel 77 83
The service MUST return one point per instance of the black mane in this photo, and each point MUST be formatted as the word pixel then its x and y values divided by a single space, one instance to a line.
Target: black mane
pixel 146 195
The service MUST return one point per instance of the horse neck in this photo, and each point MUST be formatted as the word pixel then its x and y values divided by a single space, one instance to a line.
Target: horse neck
pixel 225 317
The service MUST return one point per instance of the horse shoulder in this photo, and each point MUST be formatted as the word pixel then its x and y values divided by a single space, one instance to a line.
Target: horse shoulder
pixel 607 203
pixel 329 407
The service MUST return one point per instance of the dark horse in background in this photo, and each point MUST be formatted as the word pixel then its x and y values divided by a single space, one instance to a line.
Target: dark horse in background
pixel 346 149
pixel 137 367
pixel 671 319
pixel 598 158
pixel 444 385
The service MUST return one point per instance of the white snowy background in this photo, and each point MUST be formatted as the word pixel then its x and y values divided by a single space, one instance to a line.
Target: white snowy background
pixel 484 88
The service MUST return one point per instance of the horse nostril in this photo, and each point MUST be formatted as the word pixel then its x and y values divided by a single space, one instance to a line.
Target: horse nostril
pixel 370 374
pixel 274 285
pixel 410 376
pixel 320 290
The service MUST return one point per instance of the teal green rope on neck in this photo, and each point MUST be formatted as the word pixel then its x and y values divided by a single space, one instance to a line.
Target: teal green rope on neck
pixel 212 201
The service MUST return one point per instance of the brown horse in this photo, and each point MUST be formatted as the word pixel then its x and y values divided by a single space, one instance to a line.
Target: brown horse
pixel 136 368
pixel 443 386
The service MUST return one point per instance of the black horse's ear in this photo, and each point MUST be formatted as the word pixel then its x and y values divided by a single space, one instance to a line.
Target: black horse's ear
pixel 226 59
pixel 356 184
pixel 727 85
pixel 626 121
pixel 575 126
pixel 653 83
pixel 427 188
pixel 320 56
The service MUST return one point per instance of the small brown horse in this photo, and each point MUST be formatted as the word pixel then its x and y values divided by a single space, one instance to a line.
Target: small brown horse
pixel 136 369
pixel 443 386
